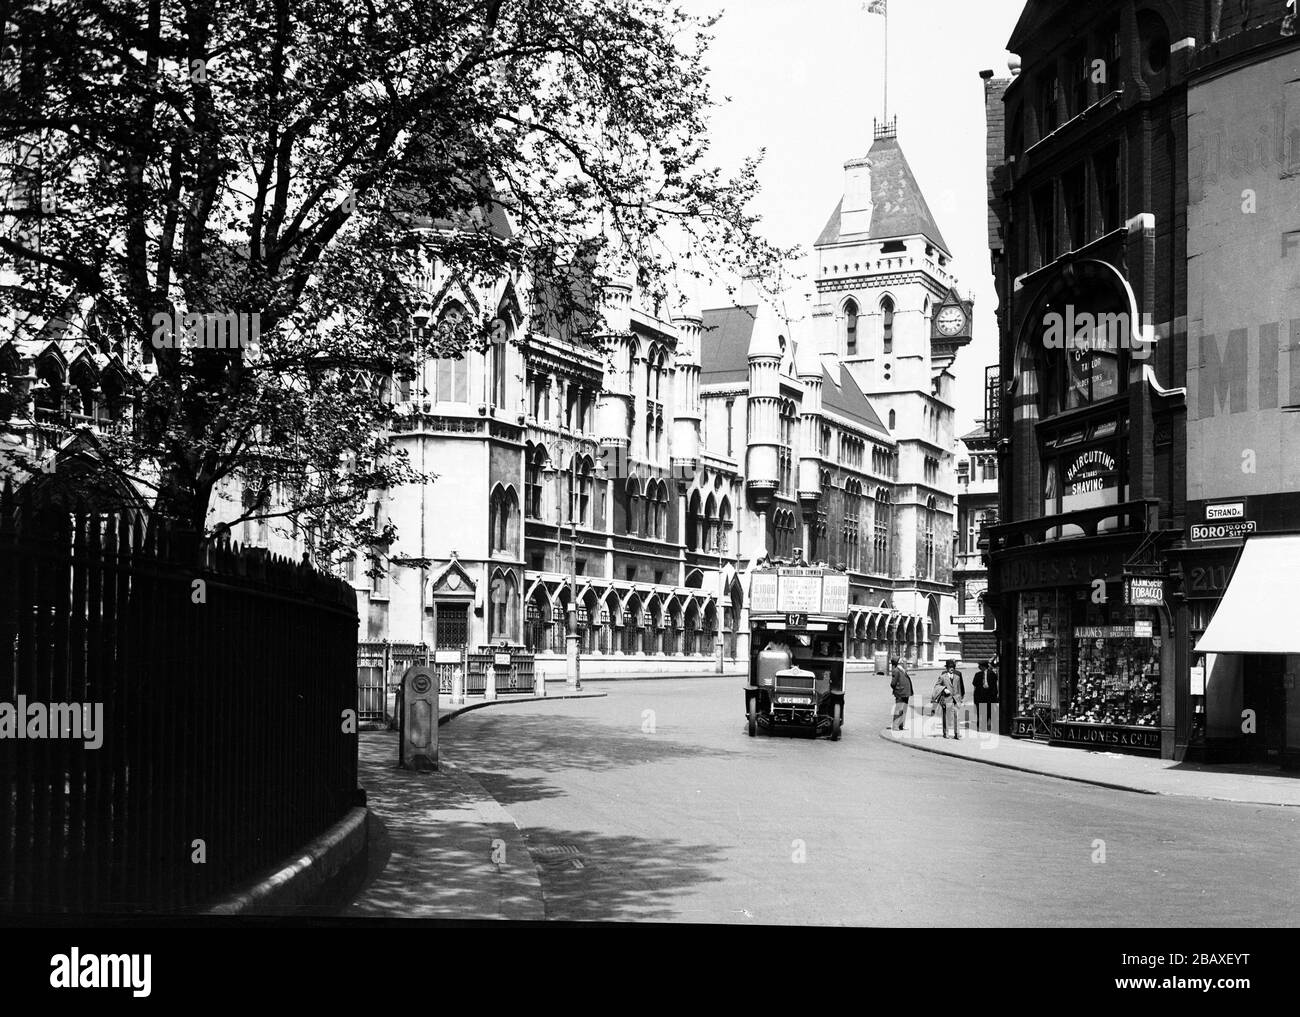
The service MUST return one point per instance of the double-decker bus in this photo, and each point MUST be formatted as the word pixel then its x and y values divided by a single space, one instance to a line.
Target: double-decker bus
pixel 798 618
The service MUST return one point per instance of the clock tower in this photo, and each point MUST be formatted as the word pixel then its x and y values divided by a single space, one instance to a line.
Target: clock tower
pixel 887 308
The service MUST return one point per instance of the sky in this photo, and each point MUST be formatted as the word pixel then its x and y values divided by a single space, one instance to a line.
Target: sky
pixel 804 79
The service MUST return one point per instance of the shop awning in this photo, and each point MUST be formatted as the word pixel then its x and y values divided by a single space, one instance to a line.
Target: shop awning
pixel 1258 611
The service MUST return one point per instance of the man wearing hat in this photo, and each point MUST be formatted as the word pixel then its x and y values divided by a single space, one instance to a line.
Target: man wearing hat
pixel 950 692
pixel 901 683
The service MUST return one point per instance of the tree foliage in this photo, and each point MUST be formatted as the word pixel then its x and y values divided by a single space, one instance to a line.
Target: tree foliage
pixel 302 164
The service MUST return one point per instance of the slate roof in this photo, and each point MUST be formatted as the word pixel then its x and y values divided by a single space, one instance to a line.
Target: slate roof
pixel 724 344
pixel 899 207
pixel 845 398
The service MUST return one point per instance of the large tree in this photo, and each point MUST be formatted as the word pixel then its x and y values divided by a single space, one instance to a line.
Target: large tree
pixel 299 163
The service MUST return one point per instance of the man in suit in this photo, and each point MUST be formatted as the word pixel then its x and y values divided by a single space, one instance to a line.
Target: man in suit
pixel 901 684
pixel 952 693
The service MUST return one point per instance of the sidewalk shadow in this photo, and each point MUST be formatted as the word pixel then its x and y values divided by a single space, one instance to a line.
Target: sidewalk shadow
pixel 589 876
pixel 1244 769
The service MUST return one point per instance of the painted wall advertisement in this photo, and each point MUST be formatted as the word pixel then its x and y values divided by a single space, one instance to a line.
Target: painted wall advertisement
pixel 1243 249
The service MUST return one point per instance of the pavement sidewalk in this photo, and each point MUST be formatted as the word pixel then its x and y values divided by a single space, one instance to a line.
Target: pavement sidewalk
pixel 440 845
pixel 1256 785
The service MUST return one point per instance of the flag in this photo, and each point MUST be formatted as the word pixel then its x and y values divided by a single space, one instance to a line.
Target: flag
pixel 877 7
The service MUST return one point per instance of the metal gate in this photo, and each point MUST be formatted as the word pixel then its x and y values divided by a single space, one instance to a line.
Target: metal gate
pixel 380 666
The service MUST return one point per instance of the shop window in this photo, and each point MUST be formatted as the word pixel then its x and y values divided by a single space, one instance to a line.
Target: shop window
pixel 1083 468
pixel 1087 662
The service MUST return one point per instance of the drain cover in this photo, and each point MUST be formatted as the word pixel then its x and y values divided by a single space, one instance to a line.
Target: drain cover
pixel 557 856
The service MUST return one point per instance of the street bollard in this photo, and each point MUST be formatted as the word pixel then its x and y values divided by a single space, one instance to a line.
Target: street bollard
pixel 418 744
pixel 457 686
pixel 490 683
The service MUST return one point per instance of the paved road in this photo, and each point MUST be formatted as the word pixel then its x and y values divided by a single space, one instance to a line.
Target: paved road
pixel 654 804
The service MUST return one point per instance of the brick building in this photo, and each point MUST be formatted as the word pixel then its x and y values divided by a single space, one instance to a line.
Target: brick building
pixel 1089 245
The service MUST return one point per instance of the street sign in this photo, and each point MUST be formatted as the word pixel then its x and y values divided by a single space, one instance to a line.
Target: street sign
pixel 968 619
pixel 1225 510
pixel 1221 531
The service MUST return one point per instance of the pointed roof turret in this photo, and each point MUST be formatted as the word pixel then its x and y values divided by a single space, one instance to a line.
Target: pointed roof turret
pixel 898 208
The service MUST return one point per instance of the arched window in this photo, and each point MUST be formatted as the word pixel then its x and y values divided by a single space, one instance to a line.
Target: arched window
pixel 785 454
pixel 539 622
pixel 582 510
pixel 651 526
pixel 113 385
pixel 724 526
pixel 710 525
pixel 887 309
pixel 880 544
pixel 691 627
pixel 851 532
pixel 632 622
pixel 533 466
pixel 929 538
pixel 49 391
pixel 893 419
pixel 851 328
pixel 504 596
pixel 633 490
pixel 693 522
pixel 498 356
pixel 661 510
pixel 451 374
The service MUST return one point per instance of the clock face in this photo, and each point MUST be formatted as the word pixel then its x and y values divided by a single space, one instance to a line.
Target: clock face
pixel 951 320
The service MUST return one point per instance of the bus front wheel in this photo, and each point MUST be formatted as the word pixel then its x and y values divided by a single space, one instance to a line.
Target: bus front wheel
pixel 837 718
pixel 753 716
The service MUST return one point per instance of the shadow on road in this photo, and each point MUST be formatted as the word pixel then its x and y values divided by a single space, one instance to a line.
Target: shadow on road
pixel 588 876
pixel 502 750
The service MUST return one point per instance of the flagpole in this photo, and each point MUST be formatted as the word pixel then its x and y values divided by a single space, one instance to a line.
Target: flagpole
pixel 886 117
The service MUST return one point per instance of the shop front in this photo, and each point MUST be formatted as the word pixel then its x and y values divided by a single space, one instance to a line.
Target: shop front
pixel 1246 661
pixel 1088 648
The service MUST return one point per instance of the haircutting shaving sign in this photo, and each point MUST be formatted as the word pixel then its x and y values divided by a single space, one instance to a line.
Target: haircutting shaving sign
pixel 1091 472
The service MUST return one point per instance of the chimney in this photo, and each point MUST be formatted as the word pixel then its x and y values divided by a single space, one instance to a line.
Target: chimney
pixel 750 286
pixel 855 214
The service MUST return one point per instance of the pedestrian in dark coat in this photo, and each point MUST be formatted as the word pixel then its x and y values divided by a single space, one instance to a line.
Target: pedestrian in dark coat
pixel 901 684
